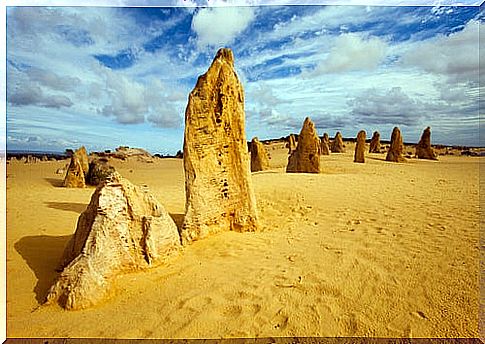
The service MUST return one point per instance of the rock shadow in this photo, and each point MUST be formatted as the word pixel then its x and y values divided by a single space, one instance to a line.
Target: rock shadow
pixel 178 219
pixel 55 182
pixel 78 208
pixel 42 253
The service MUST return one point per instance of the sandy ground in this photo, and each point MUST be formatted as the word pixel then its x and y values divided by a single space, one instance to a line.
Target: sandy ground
pixel 377 249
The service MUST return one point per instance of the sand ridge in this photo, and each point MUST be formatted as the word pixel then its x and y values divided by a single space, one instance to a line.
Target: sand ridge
pixel 376 249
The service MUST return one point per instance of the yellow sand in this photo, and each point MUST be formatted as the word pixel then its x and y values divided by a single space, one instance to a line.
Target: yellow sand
pixel 377 249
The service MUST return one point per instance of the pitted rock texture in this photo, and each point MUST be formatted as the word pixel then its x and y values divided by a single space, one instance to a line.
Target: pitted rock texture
pixel 396 149
pixel 75 174
pixel 218 186
pixel 359 154
pixel 337 145
pixel 423 148
pixel 123 229
pixel 259 156
pixel 306 157
pixel 325 145
pixel 375 143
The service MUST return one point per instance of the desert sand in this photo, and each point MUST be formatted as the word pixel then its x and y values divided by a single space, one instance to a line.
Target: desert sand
pixel 378 249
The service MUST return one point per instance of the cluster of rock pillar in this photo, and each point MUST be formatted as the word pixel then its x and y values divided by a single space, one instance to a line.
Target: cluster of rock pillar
pixel 124 228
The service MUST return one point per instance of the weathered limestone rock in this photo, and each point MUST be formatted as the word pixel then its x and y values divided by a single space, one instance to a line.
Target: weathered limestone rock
pixel 259 157
pixel 337 144
pixel 360 147
pixel 423 149
pixel 375 143
pixel 75 175
pixel 99 171
pixel 291 144
pixel 306 157
pixel 218 187
pixel 123 229
pixel 325 145
pixel 82 155
pixel 396 149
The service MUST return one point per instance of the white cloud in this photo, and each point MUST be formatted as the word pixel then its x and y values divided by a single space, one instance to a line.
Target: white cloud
pixel 455 56
pixel 353 52
pixel 216 27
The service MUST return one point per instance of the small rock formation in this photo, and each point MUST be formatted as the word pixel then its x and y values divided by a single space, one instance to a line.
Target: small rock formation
pixel 291 144
pixel 124 153
pixel 259 157
pixel 375 143
pixel 218 186
pixel 337 144
pixel 123 229
pixel 99 171
pixel 75 175
pixel 396 149
pixel 423 149
pixel 360 147
pixel 325 145
pixel 306 157
pixel 82 155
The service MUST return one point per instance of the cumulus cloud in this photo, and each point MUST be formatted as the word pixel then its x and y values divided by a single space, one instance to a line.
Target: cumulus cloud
pixel 386 107
pixel 455 56
pixel 53 80
pixel 132 102
pixel 33 95
pixel 219 26
pixel 353 52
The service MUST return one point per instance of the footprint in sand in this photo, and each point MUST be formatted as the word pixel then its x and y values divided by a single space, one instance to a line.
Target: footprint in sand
pixel 280 320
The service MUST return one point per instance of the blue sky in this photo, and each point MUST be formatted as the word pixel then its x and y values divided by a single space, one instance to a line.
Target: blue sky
pixel 109 76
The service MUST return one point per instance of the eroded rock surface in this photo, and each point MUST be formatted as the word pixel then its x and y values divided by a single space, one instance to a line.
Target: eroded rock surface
pixel 396 149
pixel 337 145
pixel 218 187
pixel 325 145
pixel 75 174
pixel 291 144
pixel 423 148
pixel 375 143
pixel 306 157
pixel 259 156
pixel 359 154
pixel 82 155
pixel 123 229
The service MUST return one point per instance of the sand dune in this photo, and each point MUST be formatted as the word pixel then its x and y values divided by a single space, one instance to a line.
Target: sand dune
pixel 377 249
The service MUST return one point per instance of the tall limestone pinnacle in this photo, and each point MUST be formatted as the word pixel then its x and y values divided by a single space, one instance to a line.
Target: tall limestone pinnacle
pixel 218 187
pixel 423 148
pixel 306 157
pixel 396 149
pixel 359 154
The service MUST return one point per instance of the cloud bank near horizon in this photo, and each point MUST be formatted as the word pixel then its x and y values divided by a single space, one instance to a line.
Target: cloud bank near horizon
pixel 114 76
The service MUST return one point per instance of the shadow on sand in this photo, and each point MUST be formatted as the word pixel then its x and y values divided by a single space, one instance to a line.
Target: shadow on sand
pixel 374 158
pixel 54 182
pixel 42 253
pixel 68 206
